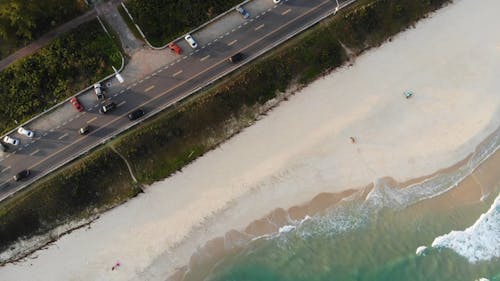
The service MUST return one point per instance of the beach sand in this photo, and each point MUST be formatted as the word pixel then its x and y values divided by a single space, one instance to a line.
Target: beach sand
pixel 303 148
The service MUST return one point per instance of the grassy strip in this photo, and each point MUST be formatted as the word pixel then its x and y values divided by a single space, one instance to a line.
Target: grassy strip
pixel 164 20
pixel 129 23
pixel 69 64
pixel 23 21
pixel 92 185
pixel 168 142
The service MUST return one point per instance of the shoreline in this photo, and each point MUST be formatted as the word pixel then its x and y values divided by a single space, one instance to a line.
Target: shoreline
pixel 282 219
pixel 302 149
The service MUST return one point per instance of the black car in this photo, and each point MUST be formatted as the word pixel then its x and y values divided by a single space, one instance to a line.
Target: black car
pixel 136 114
pixel 84 130
pixel 236 57
pixel 107 107
pixel 21 175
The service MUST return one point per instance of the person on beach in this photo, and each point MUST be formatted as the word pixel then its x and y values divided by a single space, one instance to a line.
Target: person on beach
pixel 353 140
pixel 117 264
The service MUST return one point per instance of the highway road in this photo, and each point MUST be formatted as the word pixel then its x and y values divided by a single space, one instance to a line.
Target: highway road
pixel 194 69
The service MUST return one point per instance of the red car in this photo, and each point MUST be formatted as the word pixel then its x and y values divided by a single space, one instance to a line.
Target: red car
pixel 78 106
pixel 175 48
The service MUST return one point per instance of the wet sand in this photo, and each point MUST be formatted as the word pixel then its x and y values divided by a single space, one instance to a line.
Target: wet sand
pixel 302 148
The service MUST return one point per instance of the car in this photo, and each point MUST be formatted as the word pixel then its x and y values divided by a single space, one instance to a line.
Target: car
pixel 175 48
pixel 191 41
pixel 10 140
pixel 236 57
pixel 107 107
pixel 243 12
pixel 22 175
pixel 84 130
pixel 98 91
pixel 76 104
pixel 3 148
pixel 276 1
pixel 136 114
pixel 26 132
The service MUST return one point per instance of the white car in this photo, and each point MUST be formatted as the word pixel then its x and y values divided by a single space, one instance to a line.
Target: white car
pixel 191 41
pixel 276 1
pixel 26 132
pixel 10 140
pixel 98 91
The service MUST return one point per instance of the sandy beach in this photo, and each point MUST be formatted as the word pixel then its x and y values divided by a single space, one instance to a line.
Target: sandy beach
pixel 302 148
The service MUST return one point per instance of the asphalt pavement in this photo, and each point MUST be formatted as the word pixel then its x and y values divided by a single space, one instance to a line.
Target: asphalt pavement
pixel 60 142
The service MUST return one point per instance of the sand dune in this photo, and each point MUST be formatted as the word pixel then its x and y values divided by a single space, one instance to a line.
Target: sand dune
pixel 303 148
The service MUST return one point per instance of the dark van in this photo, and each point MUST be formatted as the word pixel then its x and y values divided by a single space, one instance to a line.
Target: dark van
pixel 236 57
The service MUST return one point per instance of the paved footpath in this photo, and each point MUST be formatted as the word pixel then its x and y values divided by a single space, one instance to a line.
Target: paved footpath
pixel 46 39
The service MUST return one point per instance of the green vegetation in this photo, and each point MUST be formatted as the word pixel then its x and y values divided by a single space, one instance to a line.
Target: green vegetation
pixel 94 184
pixel 167 142
pixel 69 64
pixel 22 21
pixel 164 20
pixel 129 23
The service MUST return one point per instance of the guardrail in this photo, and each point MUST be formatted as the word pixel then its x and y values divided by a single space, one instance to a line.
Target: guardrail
pixel 156 111
pixel 182 36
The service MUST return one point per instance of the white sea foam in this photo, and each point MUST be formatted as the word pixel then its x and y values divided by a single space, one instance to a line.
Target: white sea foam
pixel 286 228
pixel 479 242
pixel 421 250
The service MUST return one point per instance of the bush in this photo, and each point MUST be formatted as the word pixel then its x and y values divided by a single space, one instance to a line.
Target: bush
pixel 164 20
pixel 69 64
pixel 22 21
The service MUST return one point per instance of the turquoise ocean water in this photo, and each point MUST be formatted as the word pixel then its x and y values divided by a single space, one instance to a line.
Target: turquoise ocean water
pixel 354 241
pixel 374 237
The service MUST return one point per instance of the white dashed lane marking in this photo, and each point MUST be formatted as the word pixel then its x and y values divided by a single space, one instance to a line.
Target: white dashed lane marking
pixel 91 120
pixel 149 88
pixel 7 168
pixel 205 57
pixel 286 12
pixel 232 42
pixel 121 103
pixel 35 152
pixel 177 73
pixel 259 27
pixel 63 136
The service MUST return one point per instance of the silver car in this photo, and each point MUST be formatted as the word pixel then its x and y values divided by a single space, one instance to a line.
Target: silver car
pixel 10 140
pixel 26 132
pixel 191 41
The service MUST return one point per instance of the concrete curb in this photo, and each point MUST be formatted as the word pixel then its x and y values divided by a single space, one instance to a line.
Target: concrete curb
pixel 154 112
pixel 182 36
